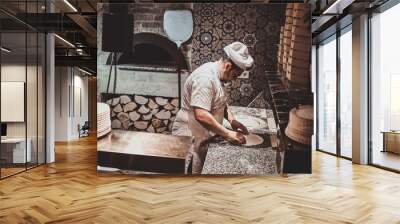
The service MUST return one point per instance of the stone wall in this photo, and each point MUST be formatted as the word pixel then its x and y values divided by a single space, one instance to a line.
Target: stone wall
pixel 142 113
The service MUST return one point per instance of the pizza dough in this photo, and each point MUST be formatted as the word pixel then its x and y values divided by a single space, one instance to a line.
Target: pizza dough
pixel 253 139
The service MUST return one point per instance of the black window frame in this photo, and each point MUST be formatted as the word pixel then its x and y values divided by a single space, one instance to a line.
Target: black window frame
pixel 333 33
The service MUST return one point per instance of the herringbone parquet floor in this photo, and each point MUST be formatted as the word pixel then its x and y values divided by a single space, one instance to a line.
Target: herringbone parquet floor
pixel 70 191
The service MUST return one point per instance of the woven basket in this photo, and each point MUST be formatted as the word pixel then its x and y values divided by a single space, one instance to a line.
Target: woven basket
pixel 300 126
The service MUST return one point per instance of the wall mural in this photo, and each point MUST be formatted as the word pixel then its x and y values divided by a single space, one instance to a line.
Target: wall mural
pixel 216 25
pixel 135 136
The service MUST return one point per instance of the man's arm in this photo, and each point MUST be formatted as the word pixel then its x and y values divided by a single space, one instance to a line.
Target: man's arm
pixel 208 121
pixel 236 125
pixel 228 115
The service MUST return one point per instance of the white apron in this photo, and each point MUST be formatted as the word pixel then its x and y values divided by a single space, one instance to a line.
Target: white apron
pixel 185 124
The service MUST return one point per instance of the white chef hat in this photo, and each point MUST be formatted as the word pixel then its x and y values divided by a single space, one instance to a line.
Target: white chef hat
pixel 239 54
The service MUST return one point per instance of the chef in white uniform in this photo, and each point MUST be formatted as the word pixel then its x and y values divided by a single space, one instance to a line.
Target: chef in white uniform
pixel 204 103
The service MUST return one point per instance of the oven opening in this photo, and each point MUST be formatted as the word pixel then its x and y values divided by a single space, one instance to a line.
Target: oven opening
pixel 152 52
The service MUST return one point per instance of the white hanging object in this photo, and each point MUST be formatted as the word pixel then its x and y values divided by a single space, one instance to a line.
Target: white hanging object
pixel 178 25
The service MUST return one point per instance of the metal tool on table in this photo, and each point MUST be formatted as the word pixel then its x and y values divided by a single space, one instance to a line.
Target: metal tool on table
pixel 258 96
pixel 178 25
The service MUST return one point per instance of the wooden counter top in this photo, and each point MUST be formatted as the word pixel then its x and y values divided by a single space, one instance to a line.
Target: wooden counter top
pixel 143 151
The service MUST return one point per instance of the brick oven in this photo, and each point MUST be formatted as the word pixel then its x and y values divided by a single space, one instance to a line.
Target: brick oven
pixel 151 52
pixel 145 98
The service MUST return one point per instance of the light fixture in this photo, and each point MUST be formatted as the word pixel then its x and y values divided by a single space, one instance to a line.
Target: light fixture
pixel 84 71
pixel 70 5
pixel 80 51
pixel 64 40
pixel 5 50
pixel 337 7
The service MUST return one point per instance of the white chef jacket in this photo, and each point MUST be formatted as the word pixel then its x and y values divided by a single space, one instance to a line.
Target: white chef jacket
pixel 202 89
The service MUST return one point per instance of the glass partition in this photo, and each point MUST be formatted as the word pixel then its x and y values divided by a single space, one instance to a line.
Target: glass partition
pixel 22 64
pixel 346 92
pixel 326 98
pixel 31 98
pixel 41 97
pixel 14 153
pixel 385 89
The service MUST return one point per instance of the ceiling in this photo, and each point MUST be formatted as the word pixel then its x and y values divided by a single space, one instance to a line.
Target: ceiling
pixel 73 20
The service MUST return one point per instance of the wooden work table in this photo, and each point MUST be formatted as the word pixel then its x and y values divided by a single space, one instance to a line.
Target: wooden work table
pixel 143 151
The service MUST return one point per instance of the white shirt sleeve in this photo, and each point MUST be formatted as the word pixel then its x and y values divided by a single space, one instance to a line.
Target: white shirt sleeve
pixel 202 93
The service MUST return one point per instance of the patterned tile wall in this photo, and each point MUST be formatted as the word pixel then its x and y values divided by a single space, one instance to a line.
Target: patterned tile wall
pixel 256 25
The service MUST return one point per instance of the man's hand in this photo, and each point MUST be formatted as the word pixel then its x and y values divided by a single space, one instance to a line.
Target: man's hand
pixel 235 137
pixel 208 121
pixel 237 126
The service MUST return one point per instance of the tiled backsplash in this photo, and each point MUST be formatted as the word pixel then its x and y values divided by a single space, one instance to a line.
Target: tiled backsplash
pixel 217 25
